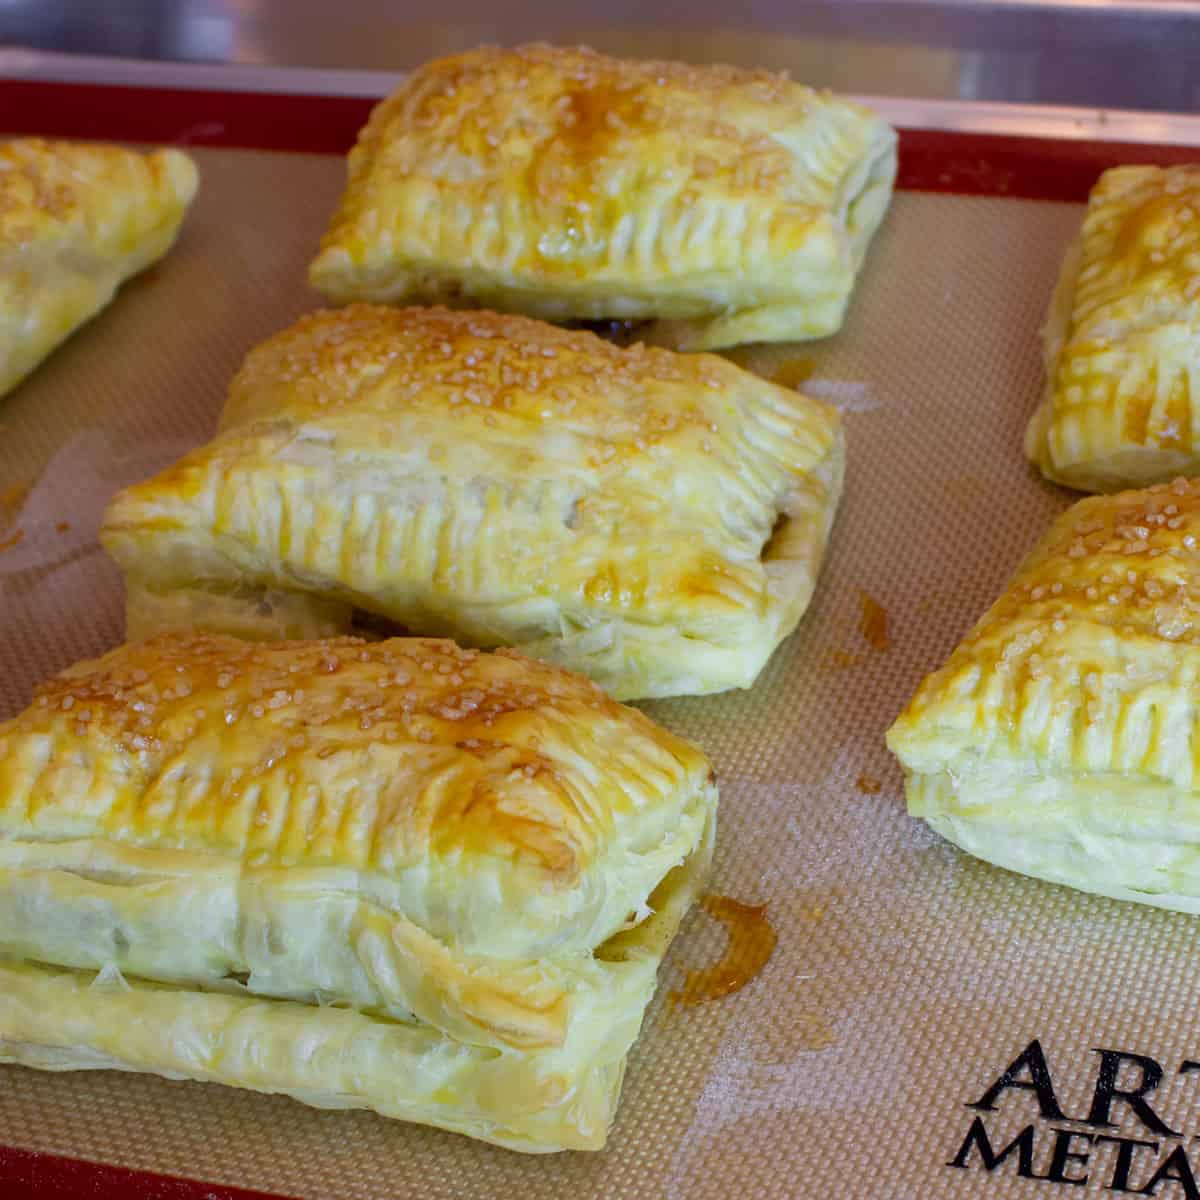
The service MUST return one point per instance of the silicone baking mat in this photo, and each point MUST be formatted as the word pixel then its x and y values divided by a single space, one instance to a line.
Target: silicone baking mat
pixel 907 977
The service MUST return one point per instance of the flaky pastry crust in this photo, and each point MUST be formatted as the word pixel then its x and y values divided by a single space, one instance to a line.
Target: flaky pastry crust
pixel 1060 738
pixel 396 875
pixel 721 205
pixel 651 519
pixel 1123 338
pixel 76 220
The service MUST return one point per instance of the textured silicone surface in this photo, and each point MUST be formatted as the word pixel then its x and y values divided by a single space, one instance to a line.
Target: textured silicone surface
pixel 907 976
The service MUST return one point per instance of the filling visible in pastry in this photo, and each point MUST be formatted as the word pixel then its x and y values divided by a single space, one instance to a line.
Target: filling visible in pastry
pixel 654 520
pixel 1123 338
pixel 1060 738
pixel 722 205
pixel 76 220
pixel 395 875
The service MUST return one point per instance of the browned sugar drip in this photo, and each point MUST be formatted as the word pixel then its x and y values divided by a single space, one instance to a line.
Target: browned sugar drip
pixel 9 542
pixel 788 373
pixel 868 785
pixel 875 623
pixel 752 940
pixel 14 496
pixel 793 373
pixel 842 660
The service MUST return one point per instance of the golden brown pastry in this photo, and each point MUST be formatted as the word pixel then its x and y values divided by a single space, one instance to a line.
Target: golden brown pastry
pixel 1123 338
pixel 396 875
pixel 76 220
pixel 724 205
pixel 1060 738
pixel 653 520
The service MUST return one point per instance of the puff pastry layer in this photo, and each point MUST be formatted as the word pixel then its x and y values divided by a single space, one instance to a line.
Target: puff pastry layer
pixel 76 220
pixel 727 206
pixel 1122 407
pixel 653 520
pixel 1061 737
pixel 396 875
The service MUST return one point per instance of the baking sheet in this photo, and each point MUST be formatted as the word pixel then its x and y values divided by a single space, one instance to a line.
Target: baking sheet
pixel 907 977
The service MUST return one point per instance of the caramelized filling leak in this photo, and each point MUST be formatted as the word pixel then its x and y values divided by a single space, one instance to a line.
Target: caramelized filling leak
pixel 875 623
pixel 752 940
pixel 868 784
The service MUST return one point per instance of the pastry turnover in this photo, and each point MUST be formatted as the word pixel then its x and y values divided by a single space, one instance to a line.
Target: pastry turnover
pixel 651 519
pixel 1060 738
pixel 1122 407
pixel 76 220
pixel 724 205
pixel 396 875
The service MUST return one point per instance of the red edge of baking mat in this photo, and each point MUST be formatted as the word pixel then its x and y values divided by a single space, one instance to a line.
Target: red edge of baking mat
pixel 27 1173
pixel 931 160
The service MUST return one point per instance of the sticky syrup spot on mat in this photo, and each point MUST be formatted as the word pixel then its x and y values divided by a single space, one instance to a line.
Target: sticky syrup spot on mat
pixel 868 784
pixel 809 1029
pixel 9 542
pixel 793 373
pixel 14 496
pixel 805 1028
pixel 796 1028
pixel 62 526
pixel 843 659
pixel 752 941
pixel 874 623
pixel 786 372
